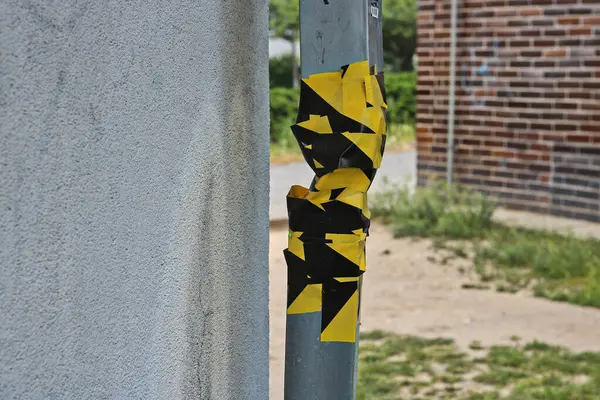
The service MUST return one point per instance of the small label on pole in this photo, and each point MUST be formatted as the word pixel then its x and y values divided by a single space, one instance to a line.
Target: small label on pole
pixel 374 11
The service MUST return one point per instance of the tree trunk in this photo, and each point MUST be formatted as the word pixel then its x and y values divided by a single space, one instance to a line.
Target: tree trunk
pixel 295 77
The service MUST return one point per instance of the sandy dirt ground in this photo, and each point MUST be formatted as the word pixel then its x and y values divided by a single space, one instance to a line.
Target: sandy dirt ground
pixel 407 292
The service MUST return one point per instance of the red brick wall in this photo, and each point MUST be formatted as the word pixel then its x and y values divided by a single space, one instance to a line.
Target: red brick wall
pixel 527 101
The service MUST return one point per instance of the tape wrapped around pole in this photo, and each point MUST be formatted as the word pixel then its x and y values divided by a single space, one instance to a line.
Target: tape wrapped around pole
pixel 341 130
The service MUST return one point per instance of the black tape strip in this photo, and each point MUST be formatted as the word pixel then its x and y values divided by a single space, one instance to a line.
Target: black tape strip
pixel 297 276
pixel 332 151
pixel 335 295
pixel 317 254
pixel 338 217
pixel 335 193
pixel 381 82
pixel 344 70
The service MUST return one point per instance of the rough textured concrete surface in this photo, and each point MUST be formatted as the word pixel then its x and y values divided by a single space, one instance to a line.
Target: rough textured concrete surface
pixel 134 198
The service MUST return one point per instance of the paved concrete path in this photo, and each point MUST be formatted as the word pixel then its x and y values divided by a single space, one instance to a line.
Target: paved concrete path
pixel 398 168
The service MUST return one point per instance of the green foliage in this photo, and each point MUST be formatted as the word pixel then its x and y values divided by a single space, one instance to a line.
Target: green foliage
pixel 399 34
pixel 284 106
pixel 280 71
pixel 401 90
pixel 439 211
pixel 284 23
pixel 283 19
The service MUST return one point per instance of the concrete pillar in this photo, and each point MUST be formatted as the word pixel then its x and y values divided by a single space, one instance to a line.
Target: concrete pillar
pixel 133 199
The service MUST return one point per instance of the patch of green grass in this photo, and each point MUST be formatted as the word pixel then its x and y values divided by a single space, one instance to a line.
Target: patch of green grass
pixel 556 266
pixel 501 376
pixel 373 335
pixel 442 212
pixel 483 396
pixel 506 356
pixel 411 368
pixel 502 288
pixel 562 267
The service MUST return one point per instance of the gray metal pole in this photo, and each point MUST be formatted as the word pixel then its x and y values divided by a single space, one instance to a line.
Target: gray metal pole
pixel 333 33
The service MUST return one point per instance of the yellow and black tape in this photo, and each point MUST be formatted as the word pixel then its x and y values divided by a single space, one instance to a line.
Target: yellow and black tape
pixel 341 131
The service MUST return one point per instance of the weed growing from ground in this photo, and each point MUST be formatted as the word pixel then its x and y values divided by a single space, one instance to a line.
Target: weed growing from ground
pixel 556 266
